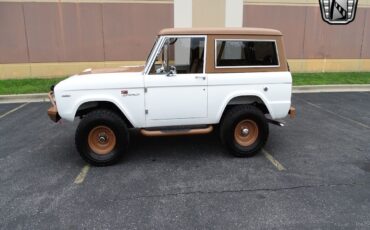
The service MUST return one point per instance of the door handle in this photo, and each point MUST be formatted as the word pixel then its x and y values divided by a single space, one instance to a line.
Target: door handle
pixel 200 77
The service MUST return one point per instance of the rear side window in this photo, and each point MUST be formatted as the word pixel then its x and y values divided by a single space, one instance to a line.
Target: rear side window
pixel 245 53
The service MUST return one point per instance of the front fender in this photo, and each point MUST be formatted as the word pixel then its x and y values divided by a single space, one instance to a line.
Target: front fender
pixel 68 112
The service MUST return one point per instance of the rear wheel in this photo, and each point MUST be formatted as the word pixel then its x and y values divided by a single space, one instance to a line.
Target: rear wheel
pixel 244 130
pixel 102 138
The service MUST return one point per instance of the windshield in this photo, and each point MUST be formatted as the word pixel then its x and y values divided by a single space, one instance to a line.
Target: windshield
pixel 155 43
pixel 182 55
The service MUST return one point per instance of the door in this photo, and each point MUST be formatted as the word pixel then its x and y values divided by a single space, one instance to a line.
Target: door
pixel 176 85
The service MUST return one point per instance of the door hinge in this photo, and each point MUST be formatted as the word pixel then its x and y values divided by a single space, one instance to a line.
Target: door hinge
pixel 145 90
pixel 146 111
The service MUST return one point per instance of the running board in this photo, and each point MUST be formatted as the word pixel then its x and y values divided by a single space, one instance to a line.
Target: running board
pixel 176 132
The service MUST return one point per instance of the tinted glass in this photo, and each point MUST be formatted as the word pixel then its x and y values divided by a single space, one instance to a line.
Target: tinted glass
pixel 245 53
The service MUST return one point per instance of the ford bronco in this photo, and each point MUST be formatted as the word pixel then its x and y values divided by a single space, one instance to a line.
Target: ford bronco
pixel 193 80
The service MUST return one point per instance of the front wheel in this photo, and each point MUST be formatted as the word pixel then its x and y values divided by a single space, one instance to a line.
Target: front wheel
pixel 102 138
pixel 244 130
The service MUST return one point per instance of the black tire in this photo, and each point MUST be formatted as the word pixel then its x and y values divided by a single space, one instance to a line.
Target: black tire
pixel 107 125
pixel 252 118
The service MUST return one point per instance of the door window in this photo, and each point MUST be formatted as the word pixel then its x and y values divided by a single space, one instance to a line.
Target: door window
pixel 180 55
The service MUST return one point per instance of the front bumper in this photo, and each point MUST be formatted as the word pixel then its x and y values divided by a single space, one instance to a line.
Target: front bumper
pixel 53 110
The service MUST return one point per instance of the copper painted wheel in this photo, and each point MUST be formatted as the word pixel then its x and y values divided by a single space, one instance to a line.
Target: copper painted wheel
pixel 102 140
pixel 246 133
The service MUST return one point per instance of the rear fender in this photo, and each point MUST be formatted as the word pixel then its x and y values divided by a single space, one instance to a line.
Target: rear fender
pixel 243 94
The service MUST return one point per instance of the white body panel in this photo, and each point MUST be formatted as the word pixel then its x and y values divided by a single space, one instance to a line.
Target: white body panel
pixel 222 88
pixel 180 97
pixel 183 99
pixel 71 93
pixel 177 100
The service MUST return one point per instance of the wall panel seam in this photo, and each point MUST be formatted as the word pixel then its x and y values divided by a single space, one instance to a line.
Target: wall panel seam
pixel 363 35
pixel 102 29
pixel 25 33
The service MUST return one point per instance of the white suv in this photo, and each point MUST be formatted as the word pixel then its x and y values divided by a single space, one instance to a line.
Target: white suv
pixel 193 79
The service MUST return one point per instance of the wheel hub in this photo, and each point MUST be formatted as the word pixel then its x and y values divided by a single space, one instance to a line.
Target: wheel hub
pixel 102 140
pixel 244 131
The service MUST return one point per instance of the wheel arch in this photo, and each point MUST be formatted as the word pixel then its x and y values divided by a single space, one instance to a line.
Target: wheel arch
pixel 242 98
pixel 88 105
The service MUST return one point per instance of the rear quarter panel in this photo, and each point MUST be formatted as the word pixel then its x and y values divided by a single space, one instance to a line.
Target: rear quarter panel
pixel 226 86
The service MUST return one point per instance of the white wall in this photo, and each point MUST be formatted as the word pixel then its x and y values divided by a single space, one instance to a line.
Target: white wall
pixel 233 13
pixel 183 13
pixel 231 17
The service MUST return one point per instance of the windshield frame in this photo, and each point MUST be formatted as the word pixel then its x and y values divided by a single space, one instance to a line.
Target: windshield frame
pixel 152 54
pixel 160 43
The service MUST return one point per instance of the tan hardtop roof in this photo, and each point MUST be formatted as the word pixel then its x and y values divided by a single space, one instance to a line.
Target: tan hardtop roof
pixel 219 31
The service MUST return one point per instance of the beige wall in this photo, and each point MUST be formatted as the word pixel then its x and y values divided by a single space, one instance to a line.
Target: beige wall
pixel 312 45
pixel 52 37
pixel 79 32
pixel 208 13
pixel 361 3
pixel 307 36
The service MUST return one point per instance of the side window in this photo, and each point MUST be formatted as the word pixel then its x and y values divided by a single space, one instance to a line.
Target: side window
pixel 245 53
pixel 180 55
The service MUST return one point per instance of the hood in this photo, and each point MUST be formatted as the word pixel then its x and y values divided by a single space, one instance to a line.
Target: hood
pixel 123 77
pixel 121 69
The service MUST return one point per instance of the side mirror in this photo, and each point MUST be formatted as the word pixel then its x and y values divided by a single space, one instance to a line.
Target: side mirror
pixel 172 71
pixel 160 70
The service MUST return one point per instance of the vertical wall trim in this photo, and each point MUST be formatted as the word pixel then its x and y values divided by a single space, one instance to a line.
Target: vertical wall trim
pixel 25 34
pixel 363 35
pixel 62 44
pixel 78 16
pixel 234 13
pixel 208 13
pixel 183 13
pixel 304 32
pixel 102 29
pixel 300 64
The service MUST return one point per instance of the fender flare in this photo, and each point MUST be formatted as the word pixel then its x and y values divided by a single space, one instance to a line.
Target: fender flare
pixel 252 93
pixel 112 100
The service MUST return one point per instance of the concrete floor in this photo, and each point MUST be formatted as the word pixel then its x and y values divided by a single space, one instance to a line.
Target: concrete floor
pixel 192 182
